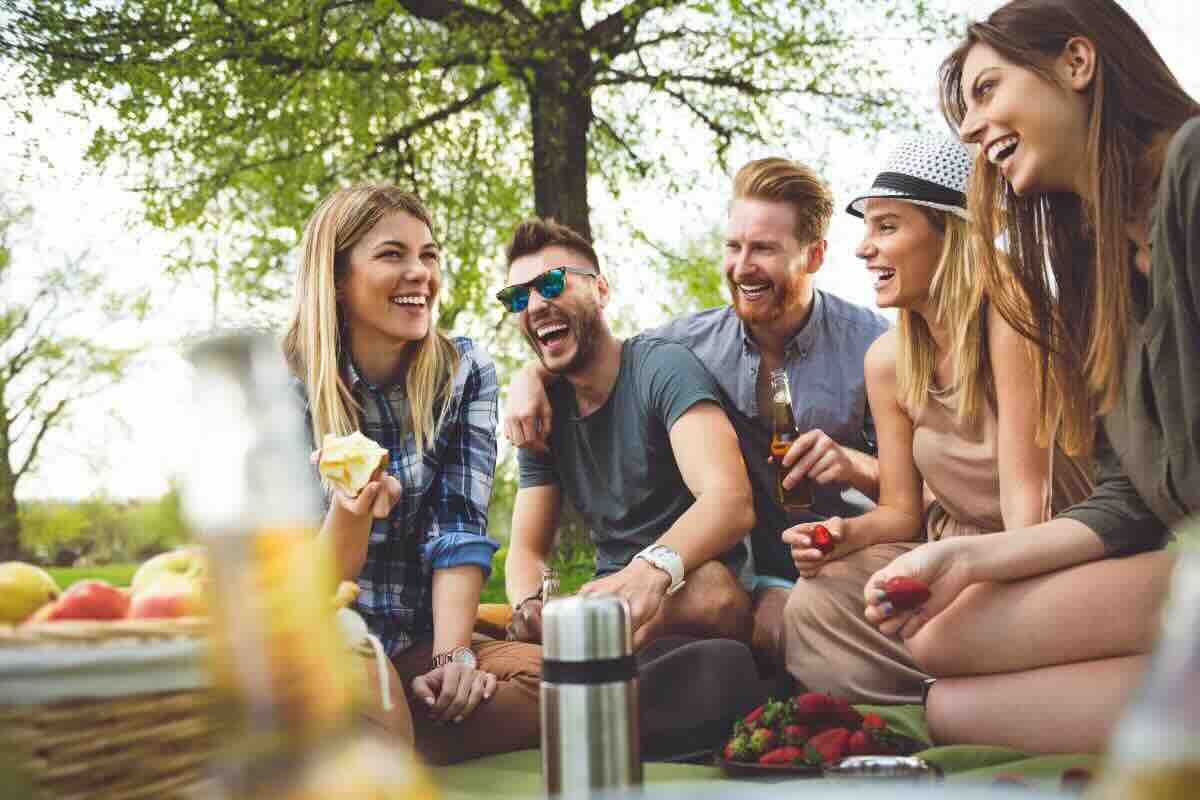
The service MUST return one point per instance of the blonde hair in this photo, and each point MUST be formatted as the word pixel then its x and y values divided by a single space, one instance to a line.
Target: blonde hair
pixel 957 297
pixel 314 346
pixel 781 181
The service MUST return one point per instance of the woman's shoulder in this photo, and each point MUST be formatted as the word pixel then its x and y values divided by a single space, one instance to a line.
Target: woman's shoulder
pixel 473 361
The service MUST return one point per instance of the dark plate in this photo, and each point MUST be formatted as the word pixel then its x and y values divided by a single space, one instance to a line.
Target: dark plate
pixel 750 770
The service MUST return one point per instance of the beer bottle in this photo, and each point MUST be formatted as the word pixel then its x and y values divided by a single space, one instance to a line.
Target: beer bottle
pixel 283 677
pixel 783 433
pixel 1155 751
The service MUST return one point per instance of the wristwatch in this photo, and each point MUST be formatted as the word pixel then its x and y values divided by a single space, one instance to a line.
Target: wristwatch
pixel 459 655
pixel 666 559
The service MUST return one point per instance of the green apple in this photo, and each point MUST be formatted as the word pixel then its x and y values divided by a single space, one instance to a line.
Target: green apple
pixel 24 589
pixel 187 562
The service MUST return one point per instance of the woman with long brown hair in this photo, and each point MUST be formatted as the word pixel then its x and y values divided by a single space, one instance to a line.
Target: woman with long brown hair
pixel 1089 166
pixel 368 357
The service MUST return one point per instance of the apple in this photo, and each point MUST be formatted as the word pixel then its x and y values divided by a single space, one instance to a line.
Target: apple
pixel 24 589
pixel 350 461
pixel 186 562
pixel 90 599
pixel 169 596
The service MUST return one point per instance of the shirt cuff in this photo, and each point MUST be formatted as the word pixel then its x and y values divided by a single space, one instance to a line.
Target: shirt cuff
pixel 457 549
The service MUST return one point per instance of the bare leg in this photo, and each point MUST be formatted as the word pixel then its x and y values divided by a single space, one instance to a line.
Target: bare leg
pixel 710 605
pixel 1102 610
pixel 1061 709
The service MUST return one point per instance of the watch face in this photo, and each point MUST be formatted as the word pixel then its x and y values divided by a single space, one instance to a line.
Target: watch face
pixel 464 656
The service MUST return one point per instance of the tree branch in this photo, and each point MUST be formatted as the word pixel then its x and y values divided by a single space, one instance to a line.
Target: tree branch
pixel 625 19
pixel 452 14
pixel 443 113
pixel 47 423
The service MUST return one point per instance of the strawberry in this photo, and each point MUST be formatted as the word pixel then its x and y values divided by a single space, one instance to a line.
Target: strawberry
pixel 872 722
pixel 859 744
pixel 781 755
pixel 796 734
pixel 762 740
pixel 844 713
pixel 751 719
pixel 905 593
pixel 822 539
pixel 812 706
pixel 738 749
pixel 828 746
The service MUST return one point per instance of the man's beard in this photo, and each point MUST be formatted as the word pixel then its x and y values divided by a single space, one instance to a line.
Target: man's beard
pixel 582 327
pixel 784 298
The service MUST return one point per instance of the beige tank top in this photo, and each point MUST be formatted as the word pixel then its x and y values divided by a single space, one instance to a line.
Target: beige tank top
pixel 961 470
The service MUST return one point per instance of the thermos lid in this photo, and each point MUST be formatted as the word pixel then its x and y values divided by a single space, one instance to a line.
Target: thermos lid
pixel 586 628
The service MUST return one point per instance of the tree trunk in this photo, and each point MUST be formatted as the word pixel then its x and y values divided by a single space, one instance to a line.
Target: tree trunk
pixel 10 524
pixel 560 103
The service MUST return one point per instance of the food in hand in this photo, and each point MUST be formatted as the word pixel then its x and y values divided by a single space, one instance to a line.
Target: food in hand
pixel 347 593
pixel 90 599
pixel 348 462
pixel 24 589
pixel 822 539
pixel 905 593
pixel 186 562
pixel 172 595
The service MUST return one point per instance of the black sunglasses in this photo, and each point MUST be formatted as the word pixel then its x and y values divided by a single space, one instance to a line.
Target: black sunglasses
pixel 549 284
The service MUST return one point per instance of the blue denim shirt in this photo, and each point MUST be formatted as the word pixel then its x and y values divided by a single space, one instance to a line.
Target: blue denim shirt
pixel 440 519
pixel 824 362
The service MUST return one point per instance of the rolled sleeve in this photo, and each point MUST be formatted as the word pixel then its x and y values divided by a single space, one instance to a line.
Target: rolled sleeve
pixel 1115 511
pixel 458 533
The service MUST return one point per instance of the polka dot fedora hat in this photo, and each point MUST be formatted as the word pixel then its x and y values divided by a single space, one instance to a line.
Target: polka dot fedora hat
pixel 929 170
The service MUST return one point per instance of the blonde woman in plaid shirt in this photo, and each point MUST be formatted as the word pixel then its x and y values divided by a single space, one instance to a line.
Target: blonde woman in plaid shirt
pixel 415 540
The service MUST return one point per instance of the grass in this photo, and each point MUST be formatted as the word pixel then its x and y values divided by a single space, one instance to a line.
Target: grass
pixel 116 574
pixel 571 575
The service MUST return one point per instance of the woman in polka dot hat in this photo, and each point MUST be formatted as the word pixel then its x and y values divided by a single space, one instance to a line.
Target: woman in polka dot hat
pixel 956 424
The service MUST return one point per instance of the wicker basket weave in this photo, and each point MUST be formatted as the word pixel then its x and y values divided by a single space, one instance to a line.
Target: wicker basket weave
pixel 107 742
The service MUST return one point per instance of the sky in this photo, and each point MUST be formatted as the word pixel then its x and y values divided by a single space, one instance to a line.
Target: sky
pixel 126 442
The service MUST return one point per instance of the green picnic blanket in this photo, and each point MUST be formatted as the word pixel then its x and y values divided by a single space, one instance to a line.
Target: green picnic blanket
pixel 519 774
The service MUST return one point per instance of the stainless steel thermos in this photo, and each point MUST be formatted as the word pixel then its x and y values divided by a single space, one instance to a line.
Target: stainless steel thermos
pixel 589 696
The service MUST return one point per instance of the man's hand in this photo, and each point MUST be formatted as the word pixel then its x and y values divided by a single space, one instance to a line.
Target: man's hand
pixel 806 556
pixel 527 412
pixel 816 456
pixel 452 692
pixel 377 498
pixel 526 623
pixel 641 584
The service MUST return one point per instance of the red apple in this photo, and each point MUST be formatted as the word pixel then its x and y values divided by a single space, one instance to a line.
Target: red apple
pixel 90 599
pixel 169 596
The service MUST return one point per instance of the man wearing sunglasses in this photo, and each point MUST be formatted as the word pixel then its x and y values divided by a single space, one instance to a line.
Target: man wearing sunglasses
pixel 641 446
pixel 774 244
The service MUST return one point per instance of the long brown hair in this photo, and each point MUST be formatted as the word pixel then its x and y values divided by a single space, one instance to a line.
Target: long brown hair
pixel 1066 283
pixel 313 345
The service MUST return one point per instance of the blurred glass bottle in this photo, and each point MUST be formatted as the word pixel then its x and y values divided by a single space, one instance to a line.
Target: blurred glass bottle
pixel 1155 751
pixel 549 584
pixel 783 433
pixel 282 674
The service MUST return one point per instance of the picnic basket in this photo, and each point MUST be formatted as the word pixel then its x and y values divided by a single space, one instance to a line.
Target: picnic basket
pixel 111 710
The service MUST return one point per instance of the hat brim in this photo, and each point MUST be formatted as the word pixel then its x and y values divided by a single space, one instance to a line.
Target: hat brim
pixel 857 206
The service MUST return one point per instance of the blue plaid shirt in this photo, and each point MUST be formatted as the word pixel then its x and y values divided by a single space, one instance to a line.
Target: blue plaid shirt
pixel 440 519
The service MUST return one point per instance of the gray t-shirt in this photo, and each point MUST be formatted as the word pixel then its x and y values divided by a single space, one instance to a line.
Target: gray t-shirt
pixel 824 362
pixel 616 465
pixel 1148 446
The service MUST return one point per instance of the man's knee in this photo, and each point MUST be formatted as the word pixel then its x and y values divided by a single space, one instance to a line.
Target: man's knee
pixel 714 599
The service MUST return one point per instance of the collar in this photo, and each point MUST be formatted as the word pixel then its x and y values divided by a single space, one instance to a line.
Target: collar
pixel 357 382
pixel 803 340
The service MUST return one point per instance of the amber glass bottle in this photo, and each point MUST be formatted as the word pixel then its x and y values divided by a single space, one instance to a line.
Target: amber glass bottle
pixel 783 433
